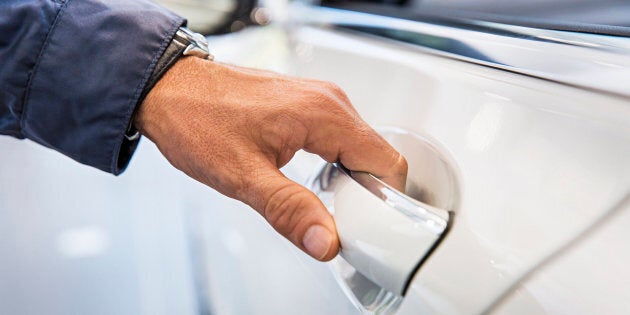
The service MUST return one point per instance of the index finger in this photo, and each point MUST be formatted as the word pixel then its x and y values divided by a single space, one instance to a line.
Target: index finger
pixel 342 135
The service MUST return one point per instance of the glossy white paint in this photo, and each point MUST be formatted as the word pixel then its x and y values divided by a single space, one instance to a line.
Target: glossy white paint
pixel 590 277
pixel 538 162
pixel 572 58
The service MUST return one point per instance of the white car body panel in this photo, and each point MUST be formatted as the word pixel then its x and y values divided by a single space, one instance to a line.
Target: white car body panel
pixel 589 277
pixel 539 163
pixel 531 156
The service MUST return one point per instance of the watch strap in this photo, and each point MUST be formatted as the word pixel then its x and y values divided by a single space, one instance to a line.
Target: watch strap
pixel 170 55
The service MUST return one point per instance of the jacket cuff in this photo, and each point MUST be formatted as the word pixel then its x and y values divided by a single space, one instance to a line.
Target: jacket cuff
pixel 89 77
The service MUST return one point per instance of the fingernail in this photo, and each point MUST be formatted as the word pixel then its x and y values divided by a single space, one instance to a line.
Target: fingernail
pixel 317 241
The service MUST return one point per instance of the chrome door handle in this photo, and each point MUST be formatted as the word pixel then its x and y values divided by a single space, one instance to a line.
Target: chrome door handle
pixel 384 234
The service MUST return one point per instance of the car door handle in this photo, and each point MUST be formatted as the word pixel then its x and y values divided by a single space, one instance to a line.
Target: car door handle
pixel 384 234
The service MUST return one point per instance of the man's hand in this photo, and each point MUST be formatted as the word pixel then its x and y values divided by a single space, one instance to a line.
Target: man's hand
pixel 232 128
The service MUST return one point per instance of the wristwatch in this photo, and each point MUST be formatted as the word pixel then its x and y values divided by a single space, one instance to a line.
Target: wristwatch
pixel 184 43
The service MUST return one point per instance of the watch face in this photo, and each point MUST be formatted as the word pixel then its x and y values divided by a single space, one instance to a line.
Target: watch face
pixel 194 43
pixel 191 36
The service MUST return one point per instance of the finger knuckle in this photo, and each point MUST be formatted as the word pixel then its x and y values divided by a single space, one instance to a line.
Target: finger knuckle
pixel 326 100
pixel 282 133
pixel 333 87
pixel 282 209
pixel 323 94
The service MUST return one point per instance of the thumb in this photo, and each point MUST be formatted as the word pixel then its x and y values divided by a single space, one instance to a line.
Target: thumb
pixel 295 212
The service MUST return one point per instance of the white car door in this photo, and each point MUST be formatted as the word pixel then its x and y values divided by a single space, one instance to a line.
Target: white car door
pixel 533 124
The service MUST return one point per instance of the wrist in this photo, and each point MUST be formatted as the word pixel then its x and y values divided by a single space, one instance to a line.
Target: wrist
pixel 184 43
pixel 152 115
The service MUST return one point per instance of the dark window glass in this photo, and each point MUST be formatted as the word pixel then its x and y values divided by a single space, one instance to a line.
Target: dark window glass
pixel 610 17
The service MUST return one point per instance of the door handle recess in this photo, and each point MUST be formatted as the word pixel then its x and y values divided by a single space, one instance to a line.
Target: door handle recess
pixel 384 234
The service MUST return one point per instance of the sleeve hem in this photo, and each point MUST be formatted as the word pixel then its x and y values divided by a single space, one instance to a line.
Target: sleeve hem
pixel 124 149
pixel 89 75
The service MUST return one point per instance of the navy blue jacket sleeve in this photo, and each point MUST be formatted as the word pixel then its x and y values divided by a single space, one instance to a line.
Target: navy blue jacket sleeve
pixel 72 72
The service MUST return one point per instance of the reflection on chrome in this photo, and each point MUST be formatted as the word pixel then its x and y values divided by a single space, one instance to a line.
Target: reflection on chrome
pixel 366 295
pixel 433 219
pixel 569 58
pixel 373 294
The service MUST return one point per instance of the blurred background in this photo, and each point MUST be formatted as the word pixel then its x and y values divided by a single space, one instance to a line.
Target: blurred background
pixel 74 240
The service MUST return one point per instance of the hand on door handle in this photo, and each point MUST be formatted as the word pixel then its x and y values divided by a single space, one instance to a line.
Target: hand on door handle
pixel 234 133
pixel 384 234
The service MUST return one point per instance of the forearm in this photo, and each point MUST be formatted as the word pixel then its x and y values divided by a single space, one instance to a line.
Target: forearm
pixel 81 68
pixel 73 73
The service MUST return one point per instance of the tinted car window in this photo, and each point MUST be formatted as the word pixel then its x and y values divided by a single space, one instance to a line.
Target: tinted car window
pixel 610 17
